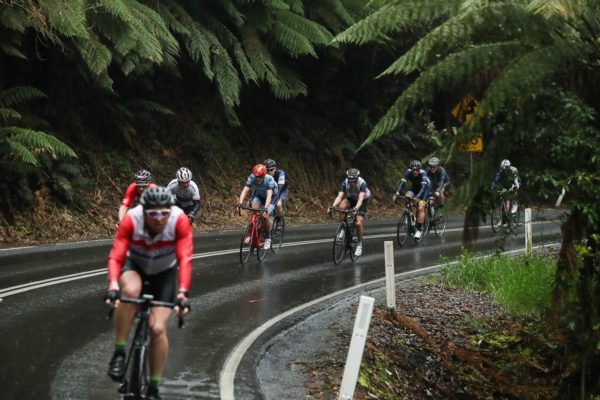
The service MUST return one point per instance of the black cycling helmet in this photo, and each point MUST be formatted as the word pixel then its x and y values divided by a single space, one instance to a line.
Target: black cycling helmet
pixel 415 164
pixel 142 177
pixel 352 173
pixel 434 162
pixel 156 196
pixel 270 163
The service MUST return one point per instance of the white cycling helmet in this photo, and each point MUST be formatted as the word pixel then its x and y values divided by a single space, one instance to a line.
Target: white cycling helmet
pixel 505 164
pixel 434 162
pixel 184 175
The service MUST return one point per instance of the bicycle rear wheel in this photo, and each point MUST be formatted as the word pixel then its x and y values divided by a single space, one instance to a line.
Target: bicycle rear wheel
pixel 246 244
pixel 339 244
pixel 352 247
pixel 403 229
pixel 277 231
pixel 496 218
pixel 439 222
pixel 261 252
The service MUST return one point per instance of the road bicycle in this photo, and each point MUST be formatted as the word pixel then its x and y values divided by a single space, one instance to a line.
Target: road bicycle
pixel 253 237
pixel 134 385
pixel 437 216
pixel 501 216
pixel 407 224
pixel 345 236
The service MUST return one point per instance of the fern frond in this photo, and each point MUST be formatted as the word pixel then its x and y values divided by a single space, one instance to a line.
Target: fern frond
pixel 226 77
pixel 67 16
pixel 296 6
pixel 231 10
pixel 288 83
pixel 340 10
pixel 151 106
pixel 528 71
pixel 248 72
pixel 460 30
pixel 10 50
pixel 20 94
pixel 15 18
pixel 311 30
pixel 448 75
pixel 117 8
pixel 7 114
pixel 19 151
pixel 277 4
pixel 395 17
pixel 95 55
pixel 293 42
pixel 258 54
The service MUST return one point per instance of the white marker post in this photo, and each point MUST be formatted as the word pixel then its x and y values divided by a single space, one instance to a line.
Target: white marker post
pixel 528 233
pixel 390 281
pixel 357 345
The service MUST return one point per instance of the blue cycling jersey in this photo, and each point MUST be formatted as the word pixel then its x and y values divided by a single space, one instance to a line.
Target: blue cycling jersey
pixel 419 183
pixel 260 189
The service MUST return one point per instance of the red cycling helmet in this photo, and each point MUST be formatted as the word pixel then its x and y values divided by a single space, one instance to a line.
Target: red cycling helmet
pixel 259 170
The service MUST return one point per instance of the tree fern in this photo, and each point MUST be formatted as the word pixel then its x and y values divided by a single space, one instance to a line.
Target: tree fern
pixel 447 75
pixel 226 77
pixel 118 9
pixel 67 16
pixel 8 114
pixel 311 30
pixel 148 105
pixel 288 83
pixel 96 56
pixel 19 94
pixel 395 17
pixel 292 41
pixel 14 18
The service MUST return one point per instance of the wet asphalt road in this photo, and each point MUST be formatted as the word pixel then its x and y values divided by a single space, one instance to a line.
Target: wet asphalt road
pixel 56 343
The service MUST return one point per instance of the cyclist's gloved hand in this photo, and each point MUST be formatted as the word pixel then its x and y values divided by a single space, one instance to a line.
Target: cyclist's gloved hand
pixel 355 210
pixel 112 297
pixel 395 197
pixel 329 210
pixel 437 194
pixel 191 217
pixel 182 305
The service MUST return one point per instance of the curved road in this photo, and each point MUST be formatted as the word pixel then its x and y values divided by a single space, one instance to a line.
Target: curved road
pixel 56 342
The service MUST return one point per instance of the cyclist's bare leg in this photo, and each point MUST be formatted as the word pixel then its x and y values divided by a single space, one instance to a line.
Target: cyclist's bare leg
pixel 421 212
pixel 159 343
pixel 359 227
pixel 344 204
pixel 279 208
pixel 130 286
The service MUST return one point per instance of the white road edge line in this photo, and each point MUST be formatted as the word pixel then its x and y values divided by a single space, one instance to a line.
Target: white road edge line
pixel 10 291
pixel 227 375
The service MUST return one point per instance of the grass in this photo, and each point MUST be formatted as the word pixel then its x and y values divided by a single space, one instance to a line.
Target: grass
pixel 521 285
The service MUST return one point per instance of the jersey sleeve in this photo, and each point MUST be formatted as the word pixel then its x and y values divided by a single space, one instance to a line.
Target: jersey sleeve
pixel 281 178
pixel 250 181
pixel 130 193
pixel 363 187
pixel 118 252
pixel 196 194
pixel 184 251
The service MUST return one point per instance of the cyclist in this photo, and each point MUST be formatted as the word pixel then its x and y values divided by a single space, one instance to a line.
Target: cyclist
pixel 153 245
pixel 356 193
pixel 264 189
pixel 186 193
pixel 419 190
pixel 282 187
pixel 508 180
pixel 438 182
pixel 133 192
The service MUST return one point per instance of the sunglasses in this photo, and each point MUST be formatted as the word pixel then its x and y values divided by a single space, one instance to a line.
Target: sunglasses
pixel 157 213
pixel 271 169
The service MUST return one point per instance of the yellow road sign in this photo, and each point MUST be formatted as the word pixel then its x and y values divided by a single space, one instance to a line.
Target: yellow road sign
pixel 465 109
pixel 475 145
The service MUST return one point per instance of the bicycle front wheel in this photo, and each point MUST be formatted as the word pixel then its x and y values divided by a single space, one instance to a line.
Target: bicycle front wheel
pixel 496 218
pixel 261 252
pixel 339 244
pixel 439 222
pixel 138 380
pixel 277 231
pixel 246 245
pixel 403 229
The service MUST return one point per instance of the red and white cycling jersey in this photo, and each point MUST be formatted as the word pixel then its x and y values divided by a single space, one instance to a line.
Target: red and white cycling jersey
pixel 153 254
pixel 132 197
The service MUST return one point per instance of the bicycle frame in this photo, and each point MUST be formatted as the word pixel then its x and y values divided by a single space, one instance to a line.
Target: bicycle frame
pixel 255 229
pixel 137 359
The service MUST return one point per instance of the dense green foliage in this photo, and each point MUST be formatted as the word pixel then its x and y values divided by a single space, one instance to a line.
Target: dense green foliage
pixel 535 65
pixel 521 285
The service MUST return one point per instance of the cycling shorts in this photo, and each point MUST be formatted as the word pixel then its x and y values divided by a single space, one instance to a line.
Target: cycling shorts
pixel 163 286
pixel 260 201
pixel 363 208
pixel 281 196
pixel 421 200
